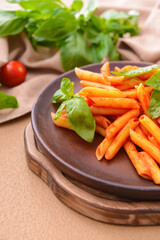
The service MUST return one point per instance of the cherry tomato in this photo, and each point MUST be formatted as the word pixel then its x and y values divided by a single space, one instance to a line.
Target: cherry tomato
pixel 12 74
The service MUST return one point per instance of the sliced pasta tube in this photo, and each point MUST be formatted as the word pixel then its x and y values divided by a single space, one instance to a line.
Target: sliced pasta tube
pixel 107 111
pixel 102 148
pixel 100 130
pixel 154 141
pixel 129 84
pixel 105 69
pixel 120 122
pixel 132 93
pixel 140 165
pixel 99 92
pixel 151 127
pixel 102 121
pixel 144 98
pixel 94 84
pixel 90 76
pixel 152 165
pixel 147 146
pixel 62 121
pixel 120 138
pixel 114 102
pixel 140 132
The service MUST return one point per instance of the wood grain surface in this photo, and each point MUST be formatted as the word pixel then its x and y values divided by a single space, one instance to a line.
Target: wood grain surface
pixel 85 200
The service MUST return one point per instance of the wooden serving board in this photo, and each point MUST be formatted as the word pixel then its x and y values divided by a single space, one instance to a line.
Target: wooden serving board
pixel 85 200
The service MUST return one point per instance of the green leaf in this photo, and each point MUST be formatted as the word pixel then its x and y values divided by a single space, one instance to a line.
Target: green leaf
pixel 154 107
pixel 136 72
pixel 10 24
pixel 42 5
pixel 75 52
pixel 65 92
pixel 58 27
pixel 7 101
pixel 114 15
pixel 59 96
pixel 67 87
pixel 61 107
pixel 76 5
pixel 89 9
pixel 80 118
pixel 114 54
pixel 154 81
pixel 101 50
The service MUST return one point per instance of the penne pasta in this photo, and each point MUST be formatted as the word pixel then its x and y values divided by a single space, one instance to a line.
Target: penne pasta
pixel 100 130
pixel 99 92
pixel 94 84
pixel 120 122
pixel 117 69
pixel 143 97
pixel 154 141
pixel 114 102
pixel 129 84
pixel 107 111
pixel 62 121
pixel 102 121
pixel 90 76
pixel 147 146
pixel 139 164
pixel 105 70
pixel 140 132
pixel 152 165
pixel 102 148
pixel 115 80
pixel 120 138
pixel 151 127
pixel 132 93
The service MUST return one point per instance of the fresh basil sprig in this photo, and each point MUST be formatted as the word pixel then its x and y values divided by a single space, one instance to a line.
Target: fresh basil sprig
pixel 80 35
pixel 154 107
pixel 79 114
pixel 136 72
pixel 7 101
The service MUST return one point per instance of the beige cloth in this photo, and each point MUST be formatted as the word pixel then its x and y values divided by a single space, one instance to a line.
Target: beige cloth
pixel 44 66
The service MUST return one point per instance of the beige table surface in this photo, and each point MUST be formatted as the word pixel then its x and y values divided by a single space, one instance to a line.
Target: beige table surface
pixel 30 211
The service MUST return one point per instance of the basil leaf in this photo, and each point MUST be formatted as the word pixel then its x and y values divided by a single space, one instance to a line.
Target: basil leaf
pixel 65 92
pixel 59 96
pixel 67 87
pixel 76 5
pixel 136 72
pixel 154 81
pixel 114 54
pixel 154 107
pixel 43 5
pixel 101 50
pixel 75 52
pixel 89 9
pixel 59 110
pixel 57 27
pixel 7 101
pixel 114 15
pixel 10 24
pixel 80 118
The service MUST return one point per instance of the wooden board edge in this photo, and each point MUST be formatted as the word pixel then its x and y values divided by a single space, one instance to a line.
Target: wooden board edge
pixel 101 209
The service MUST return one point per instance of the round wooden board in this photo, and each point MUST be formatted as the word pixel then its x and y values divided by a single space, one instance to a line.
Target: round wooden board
pixel 87 201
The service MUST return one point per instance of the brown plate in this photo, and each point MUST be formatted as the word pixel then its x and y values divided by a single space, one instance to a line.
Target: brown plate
pixel 76 158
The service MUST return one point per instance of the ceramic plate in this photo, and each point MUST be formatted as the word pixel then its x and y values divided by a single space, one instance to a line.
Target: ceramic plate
pixel 76 158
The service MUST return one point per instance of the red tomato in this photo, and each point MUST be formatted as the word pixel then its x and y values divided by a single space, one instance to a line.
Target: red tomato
pixel 13 73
